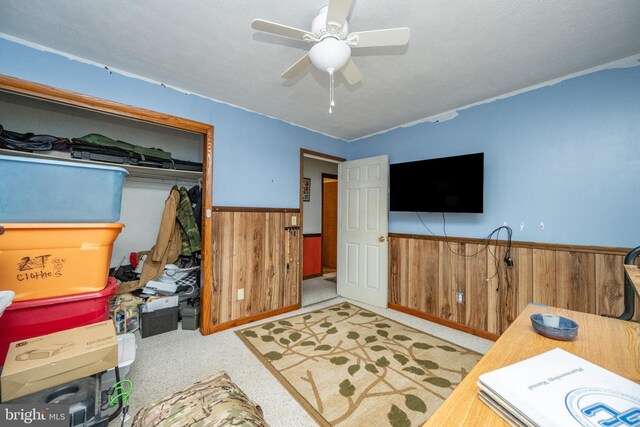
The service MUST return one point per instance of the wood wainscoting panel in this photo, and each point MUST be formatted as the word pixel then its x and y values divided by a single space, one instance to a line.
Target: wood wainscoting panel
pixel 544 277
pixel 476 287
pixel 253 252
pixel 291 266
pixel 222 262
pixel 426 272
pixel 398 271
pixel 524 260
pixel 516 288
pixel 427 253
pixel 609 296
pixel 450 277
pixel 576 272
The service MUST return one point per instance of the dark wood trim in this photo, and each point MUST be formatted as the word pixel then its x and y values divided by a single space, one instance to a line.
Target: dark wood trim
pixel 238 322
pixel 250 209
pixel 37 90
pixel 206 234
pixel 311 276
pixel 78 100
pixel 448 323
pixel 519 244
pixel 301 205
pixel 304 151
pixel 312 235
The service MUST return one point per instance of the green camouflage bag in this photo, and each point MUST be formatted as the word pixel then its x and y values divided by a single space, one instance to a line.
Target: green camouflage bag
pixel 96 140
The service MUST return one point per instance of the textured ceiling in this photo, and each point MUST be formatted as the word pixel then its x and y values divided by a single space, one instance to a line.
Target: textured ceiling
pixel 460 52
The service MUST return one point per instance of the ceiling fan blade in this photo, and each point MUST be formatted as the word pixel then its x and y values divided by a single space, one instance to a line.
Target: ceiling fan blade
pixel 297 68
pixel 281 30
pixel 388 37
pixel 338 11
pixel 351 72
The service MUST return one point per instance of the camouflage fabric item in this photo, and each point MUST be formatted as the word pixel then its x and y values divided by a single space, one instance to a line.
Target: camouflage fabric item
pixel 188 227
pixel 98 140
pixel 214 402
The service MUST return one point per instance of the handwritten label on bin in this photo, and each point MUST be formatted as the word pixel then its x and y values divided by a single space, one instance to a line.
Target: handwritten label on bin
pixel 39 267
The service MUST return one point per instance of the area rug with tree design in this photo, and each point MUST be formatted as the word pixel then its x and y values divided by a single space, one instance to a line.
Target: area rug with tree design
pixel 349 366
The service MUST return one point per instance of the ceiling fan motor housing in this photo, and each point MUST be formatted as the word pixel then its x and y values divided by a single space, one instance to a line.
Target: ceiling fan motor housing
pixel 321 30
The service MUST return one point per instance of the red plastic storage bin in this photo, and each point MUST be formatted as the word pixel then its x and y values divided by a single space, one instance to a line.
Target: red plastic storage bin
pixel 28 319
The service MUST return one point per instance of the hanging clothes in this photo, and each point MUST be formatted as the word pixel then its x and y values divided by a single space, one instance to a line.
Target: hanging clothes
pixel 195 196
pixel 168 243
pixel 188 226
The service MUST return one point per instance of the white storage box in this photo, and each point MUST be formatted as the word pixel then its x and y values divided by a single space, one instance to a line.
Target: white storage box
pixel 40 190
pixel 126 357
pixel 159 303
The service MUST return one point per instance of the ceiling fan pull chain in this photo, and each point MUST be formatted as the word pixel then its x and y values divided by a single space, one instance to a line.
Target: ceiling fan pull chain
pixel 331 103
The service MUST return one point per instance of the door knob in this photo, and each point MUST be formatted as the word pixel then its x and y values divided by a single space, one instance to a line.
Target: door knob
pixel 381 239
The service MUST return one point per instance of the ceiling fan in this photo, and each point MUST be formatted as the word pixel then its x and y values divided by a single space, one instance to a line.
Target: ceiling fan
pixel 332 42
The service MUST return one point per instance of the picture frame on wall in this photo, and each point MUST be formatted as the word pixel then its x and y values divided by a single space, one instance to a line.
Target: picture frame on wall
pixel 306 189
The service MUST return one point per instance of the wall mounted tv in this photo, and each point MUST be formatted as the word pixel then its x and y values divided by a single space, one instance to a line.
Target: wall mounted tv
pixel 448 184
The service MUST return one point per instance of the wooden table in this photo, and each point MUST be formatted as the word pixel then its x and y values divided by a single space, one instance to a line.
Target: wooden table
pixel 633 273
pixel 611 343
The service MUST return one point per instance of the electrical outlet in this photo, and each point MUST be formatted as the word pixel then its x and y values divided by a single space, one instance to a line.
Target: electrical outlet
pixel 459 297
pixel 294 220
pixel 240 294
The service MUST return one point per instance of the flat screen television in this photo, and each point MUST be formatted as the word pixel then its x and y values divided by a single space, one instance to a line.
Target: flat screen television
pixel 447 184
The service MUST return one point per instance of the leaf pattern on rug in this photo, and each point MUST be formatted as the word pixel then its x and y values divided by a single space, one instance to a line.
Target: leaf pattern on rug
pixel 352 365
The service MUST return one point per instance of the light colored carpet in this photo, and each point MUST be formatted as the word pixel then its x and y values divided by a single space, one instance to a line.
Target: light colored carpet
pixel 317 289
pixel 347 365
pixel 171 361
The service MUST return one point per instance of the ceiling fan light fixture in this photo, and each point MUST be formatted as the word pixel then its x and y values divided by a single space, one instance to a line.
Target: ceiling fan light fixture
pixel 332 42
pixel 330 53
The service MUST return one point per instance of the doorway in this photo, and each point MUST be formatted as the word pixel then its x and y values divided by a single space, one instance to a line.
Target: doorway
pixel 319 212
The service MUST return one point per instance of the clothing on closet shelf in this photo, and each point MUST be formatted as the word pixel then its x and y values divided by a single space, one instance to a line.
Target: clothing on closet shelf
pixel 168 243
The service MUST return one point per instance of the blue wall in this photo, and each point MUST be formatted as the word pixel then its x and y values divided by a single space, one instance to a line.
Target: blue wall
pixel 567 155
pixel 256 159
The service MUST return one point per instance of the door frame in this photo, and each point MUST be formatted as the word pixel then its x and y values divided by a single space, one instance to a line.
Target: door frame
pixel 318 156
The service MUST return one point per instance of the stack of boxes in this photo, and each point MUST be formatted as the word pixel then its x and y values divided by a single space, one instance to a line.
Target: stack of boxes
pixel 60 225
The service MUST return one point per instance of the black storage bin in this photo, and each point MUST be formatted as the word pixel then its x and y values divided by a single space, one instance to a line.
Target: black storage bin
pixel 159 321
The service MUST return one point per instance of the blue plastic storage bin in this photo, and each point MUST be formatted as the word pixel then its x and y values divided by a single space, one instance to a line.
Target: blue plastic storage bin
pixel 37 190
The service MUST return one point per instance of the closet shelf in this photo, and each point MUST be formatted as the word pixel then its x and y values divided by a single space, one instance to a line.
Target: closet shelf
pixel 134 171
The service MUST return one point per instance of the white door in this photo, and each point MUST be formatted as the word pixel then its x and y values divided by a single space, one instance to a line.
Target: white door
pixel 362 230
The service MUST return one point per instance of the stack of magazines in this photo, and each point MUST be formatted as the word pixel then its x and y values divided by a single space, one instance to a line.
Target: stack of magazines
pixel 557 388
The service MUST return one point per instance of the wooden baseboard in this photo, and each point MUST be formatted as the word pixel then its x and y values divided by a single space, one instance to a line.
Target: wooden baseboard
pixel 237 322
pixel 311 276
pixel 448 323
